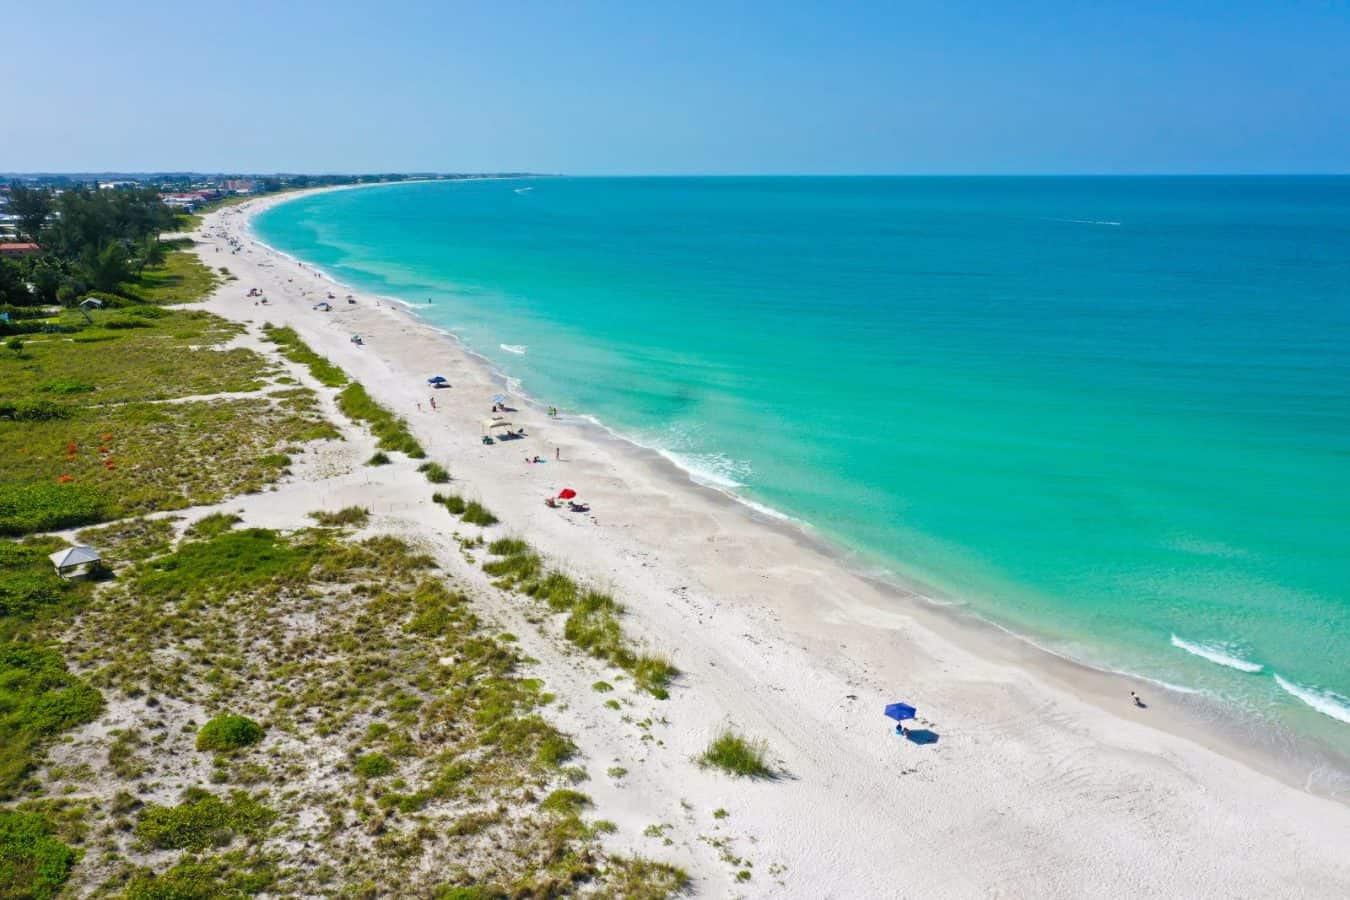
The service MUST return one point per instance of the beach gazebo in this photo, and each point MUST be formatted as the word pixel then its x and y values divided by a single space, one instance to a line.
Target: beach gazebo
pixel 70 560
pixel 496 425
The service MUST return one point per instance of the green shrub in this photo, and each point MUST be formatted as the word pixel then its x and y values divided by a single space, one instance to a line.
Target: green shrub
pixel 65 386
pixel 213 525
pixel 476 514
pixel 202 820
pixel 453 502
pixel 33 411
pixel 209 878
pixel 225 733
pixel 373 765
pixel 380 458
pixel 737 756
pixel 118 322
pixel 33 863
pixel 38 699
pixel 351 515
pixel 565 802
pixel 435 472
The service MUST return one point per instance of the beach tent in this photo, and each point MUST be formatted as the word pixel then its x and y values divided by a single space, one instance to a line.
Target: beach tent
pixel 496 423
pixel 437 379
pixel 900 711
pixel 72 558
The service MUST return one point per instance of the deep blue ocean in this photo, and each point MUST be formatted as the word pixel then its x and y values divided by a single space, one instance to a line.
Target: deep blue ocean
pixel 1112 414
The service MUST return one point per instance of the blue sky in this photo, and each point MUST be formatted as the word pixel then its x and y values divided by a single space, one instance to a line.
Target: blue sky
pixel 689 87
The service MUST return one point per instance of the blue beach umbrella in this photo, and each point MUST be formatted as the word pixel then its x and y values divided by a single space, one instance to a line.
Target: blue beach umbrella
pixel 900 711
pixel 437 379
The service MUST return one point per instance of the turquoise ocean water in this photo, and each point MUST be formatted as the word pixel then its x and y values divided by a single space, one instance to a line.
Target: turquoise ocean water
pixel 1112 414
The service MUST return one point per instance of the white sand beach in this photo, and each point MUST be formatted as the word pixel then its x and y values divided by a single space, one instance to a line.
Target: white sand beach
pixel 1040 779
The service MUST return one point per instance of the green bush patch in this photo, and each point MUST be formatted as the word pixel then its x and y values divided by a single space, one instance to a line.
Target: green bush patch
pixel 373 765
pixel 33 863
pixel 203 820
pixel 737 756
pixel 228 732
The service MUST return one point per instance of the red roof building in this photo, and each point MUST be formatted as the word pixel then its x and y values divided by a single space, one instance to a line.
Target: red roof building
pixel 18 251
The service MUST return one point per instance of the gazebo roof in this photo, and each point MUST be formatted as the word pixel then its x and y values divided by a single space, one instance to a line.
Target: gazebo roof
pixel 74 556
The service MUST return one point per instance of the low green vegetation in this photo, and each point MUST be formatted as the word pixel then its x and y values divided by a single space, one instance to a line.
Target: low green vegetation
pixel 379 458
pixel 453 502
pixel 226 733
pixel 435 472
pixel 34 863
pixel 231 875
pixel 296 350
pixel 455 781
pixel 203 820
pixel 76 457
pixel 179 278
pixel 476 513
pixel 737 756
pixel 390 431
pixel 356 516
pixel 373 765
pixel 592 621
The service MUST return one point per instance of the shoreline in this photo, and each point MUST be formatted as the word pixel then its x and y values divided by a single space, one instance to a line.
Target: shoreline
pixel 833 621
pixel 1194 714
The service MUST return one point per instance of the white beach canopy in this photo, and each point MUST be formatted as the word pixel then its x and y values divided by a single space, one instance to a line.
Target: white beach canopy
pixel 490 425
pixel 74 557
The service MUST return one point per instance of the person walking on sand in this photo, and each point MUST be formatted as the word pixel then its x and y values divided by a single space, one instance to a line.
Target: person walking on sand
pixel 433 402
pixel 1138 701
pixel 557 454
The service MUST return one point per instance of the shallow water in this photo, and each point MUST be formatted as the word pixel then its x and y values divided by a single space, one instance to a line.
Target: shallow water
pixel 1112 413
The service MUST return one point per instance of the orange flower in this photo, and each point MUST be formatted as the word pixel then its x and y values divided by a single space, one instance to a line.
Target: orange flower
pixel 102 449
pixel 72 447
pixel 65 479
pixel 108 436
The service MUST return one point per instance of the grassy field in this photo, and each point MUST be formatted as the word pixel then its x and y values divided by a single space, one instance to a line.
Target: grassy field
pixel 89 438
pixel 181 278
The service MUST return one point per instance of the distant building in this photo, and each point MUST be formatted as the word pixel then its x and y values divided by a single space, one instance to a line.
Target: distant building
pixel 114 185
pixel 241 185
pixel 18 251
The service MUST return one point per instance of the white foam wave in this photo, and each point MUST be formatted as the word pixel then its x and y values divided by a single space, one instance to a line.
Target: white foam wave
pixel 517 349
pixel 1328 703
pixel 715 469
pixel 1216 654
pixel 1090 221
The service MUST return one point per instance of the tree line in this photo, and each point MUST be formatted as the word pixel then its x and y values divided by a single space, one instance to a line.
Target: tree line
pixel 90 240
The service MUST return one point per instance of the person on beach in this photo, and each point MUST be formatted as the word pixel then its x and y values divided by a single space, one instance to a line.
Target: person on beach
pixel 433 402
pixel 557 454
pixel 1138 701
pixel 419 407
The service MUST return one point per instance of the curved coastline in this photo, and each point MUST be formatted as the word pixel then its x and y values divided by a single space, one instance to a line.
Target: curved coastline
pixel 1191 713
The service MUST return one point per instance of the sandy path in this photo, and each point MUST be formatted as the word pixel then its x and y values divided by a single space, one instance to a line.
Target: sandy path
pixel 1042 782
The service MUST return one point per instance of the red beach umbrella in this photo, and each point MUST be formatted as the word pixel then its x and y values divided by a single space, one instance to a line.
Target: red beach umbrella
pixel 566 494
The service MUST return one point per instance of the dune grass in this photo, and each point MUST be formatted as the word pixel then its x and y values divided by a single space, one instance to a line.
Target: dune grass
pixel 356 516
pixel 298 351
pixel 737 756
pixel 390 431
pixel 593 617
pixel 435 472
